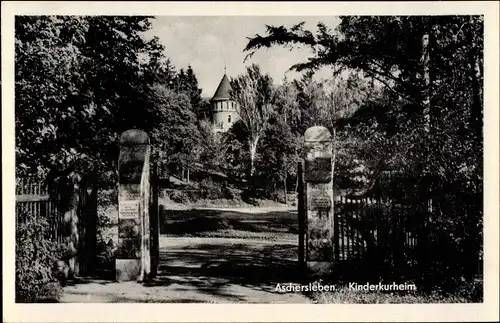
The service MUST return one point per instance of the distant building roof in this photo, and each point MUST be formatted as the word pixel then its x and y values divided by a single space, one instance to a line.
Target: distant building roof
pixel 223 89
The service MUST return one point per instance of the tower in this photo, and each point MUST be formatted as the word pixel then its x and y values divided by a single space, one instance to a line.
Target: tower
pixel 223 109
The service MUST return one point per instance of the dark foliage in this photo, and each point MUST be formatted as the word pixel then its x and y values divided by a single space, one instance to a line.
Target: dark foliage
pixel 38 264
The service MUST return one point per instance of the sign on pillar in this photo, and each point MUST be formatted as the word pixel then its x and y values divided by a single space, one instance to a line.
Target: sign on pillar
pixel 319 199
pixel 133 206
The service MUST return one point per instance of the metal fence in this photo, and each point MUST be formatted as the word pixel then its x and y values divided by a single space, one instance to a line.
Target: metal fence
pixel 33 198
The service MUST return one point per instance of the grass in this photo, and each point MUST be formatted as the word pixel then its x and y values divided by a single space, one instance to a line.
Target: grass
pixel 221 202
pixel 241 234
pixel 229 224
pixel 345 296
pixel 469 292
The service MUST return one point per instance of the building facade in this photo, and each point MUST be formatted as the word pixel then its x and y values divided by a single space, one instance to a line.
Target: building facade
pixel 222 109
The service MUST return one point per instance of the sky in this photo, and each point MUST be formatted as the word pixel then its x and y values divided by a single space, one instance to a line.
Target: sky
pixel 208 43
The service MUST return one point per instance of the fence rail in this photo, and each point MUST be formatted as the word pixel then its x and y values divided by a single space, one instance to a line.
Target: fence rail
pixel 365 224
pixel 71 215
pixel 33 199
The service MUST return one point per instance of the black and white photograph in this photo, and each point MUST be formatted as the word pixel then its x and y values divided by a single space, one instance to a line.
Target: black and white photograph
pixel 251 159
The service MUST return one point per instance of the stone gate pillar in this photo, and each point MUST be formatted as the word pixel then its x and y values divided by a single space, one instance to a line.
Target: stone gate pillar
pixel 133 254
pixel 319 199
pixel 154 216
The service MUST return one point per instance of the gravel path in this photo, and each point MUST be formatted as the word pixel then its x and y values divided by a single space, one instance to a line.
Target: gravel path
pixel 207 270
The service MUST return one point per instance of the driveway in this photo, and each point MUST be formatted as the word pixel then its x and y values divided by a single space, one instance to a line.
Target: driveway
pixel 206 270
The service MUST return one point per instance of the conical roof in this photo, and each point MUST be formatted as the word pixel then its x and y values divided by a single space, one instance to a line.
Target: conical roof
pixel 223 89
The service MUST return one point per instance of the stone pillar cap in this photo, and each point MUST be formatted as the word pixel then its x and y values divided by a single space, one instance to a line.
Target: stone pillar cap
pixel 134 137
pixel 317 133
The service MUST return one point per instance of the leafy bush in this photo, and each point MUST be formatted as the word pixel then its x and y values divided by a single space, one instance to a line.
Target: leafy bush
pixel 179 196
pixel 107 234
pixel 36 259
pixel 278 196
pixel 228 193
pixel 211 190
pixel 105 257
pixel 250 196
pixel 107 197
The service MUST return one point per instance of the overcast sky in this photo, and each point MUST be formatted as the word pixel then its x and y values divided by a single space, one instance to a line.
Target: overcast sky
pixel 207 42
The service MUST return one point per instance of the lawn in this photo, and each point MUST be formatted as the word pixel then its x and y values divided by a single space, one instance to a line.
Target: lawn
pixel 470 293
pixel 271 225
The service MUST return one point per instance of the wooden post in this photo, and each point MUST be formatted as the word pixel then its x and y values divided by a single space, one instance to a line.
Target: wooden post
pixel 336 230
pixel 155 221
pixel 133 255
pixel 301 214
pixel 88 224
pixel 68 203
pixel 319 200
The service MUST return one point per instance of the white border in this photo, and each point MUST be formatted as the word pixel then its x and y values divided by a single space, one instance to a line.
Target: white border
pixel 489 310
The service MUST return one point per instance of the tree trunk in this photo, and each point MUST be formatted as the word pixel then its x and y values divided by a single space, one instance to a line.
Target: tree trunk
pixel 284 179
pixel 477 96
pixel 334 215
pixel 253 150
pixel 426 102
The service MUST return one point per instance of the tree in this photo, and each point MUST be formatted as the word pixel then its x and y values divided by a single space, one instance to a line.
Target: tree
pixel 46 65
pixel 211 153
pixel 428 120
pixel 80 82
pixel 287 105
pixel 389 49
pixel 236 150
pixel 78 86
pixel 431 76
pixel 310 94
pixel 176 136
pixel 188 83
pixel 252 92
pixel 285 119
pixel 278 156
pixel 344 95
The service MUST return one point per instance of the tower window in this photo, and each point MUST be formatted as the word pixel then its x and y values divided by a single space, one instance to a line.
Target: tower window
pixel 229 119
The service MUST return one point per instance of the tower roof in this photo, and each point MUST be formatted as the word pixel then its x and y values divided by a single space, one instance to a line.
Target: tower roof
pixel 223 89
